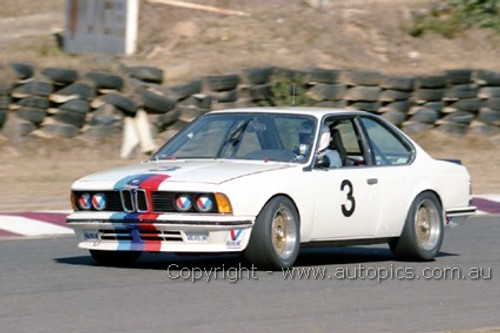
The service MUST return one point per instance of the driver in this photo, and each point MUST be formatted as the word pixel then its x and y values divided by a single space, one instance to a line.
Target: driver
pixel 324 143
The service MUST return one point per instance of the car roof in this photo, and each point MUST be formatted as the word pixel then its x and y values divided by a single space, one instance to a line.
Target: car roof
pixel 310 111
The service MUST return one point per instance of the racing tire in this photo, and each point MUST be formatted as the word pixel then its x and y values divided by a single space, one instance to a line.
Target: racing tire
pixel 458 76
pixel 115 258
pixel 492 103
pixel 392 95
pixel 422 234
pixel 5 102
pixel 423 95
pixel 488 78
pixel 3 117
pixel 395 117
pixel 33 88
pixel 23 71
pixel 456 93
pixel 185 90
pixel 400 106
pixel 275 238
pixel 363 93
pixel 36 116
pixel 489 116
pixel 79 89
pixel 222 82
pixel 467 104
pixel 104 80
pixel 404 83
pixel 258 76
pixel 327 92
pixel 60 75
pixel 487 92
pixel 362 78
pixel 156 102
pixel 146 73
pixel 34 102
pixel 477 128
pixel 431 81
pixel 452 128
pixel 459 117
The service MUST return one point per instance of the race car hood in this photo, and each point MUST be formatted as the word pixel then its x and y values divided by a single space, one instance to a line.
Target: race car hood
pixel 208 172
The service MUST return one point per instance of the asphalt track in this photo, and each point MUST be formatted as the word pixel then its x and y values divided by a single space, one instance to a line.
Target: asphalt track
pixel 49 285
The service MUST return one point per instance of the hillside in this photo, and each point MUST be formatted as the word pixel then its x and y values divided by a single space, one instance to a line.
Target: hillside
pixel 366 34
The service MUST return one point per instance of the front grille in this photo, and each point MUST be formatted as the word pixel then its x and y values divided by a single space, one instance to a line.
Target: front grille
pixel 141 201
pixel 128 202
pixel 164 201
pixel 140 235
pixel 134 200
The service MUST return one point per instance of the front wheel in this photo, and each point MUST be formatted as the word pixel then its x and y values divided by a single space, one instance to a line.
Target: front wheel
pixel 422 234
pixel 115 258
pixel 275 238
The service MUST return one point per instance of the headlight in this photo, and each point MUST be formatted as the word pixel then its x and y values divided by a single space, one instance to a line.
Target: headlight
pixel 99 201
pixel 183 202
pixel 84 201
pixel 204 204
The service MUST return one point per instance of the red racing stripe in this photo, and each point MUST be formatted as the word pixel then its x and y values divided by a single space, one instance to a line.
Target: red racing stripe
pixel 151 184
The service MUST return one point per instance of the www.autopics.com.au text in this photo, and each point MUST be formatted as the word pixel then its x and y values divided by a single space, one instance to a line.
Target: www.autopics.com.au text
pixel 233 274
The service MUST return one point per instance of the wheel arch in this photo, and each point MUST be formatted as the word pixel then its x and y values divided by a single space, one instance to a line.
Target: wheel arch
pixel 412 198
pixel 286 196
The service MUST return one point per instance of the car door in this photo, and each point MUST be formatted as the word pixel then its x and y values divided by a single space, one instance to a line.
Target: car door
pixel 347 199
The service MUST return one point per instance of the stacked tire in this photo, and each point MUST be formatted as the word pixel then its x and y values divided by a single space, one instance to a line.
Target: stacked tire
pixel 395 98
pixel 363 91
pixel 325 88
pixel 487 122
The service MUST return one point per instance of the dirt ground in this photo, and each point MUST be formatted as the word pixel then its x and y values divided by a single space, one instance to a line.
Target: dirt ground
pixel 345 34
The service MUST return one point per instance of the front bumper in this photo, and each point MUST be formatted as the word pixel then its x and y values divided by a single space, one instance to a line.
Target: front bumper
pixel 161 232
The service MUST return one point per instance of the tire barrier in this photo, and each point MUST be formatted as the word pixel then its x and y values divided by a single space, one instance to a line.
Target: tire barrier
pixel 56 102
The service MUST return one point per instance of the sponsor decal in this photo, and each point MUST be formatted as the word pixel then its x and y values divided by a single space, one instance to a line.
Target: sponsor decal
pixel 91 235
pixel 234 239
pixel 183 202
pixel 199 237
pixel 204 204
pixel 99 201
pixel 84 201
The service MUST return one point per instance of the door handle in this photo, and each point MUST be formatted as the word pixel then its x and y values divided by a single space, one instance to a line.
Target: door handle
pixel 372 181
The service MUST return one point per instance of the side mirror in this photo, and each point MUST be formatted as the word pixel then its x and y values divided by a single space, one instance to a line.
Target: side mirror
pixel 322 162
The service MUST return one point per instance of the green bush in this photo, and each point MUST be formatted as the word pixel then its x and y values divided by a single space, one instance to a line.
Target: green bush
pixel 451 17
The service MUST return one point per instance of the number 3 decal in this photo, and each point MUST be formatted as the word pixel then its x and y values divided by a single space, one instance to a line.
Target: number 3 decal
pixel 350 197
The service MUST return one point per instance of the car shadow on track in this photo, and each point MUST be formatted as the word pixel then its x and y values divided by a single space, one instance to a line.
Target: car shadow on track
pixel 325 256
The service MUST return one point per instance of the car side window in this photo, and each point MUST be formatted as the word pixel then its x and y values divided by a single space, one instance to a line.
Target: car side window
pixel 346 140
pixel 387 147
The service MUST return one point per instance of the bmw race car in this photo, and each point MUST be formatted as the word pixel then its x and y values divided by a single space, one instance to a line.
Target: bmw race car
pixel 266 181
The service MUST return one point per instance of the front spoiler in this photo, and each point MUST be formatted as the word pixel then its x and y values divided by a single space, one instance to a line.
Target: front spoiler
pixel 161 232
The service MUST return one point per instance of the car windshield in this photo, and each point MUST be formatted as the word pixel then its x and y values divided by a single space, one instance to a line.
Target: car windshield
pixel 248 136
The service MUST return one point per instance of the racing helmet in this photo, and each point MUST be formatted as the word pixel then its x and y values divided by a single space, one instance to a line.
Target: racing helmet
pixel 325 138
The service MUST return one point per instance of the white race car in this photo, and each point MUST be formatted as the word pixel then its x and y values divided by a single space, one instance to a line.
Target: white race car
pixel 266 181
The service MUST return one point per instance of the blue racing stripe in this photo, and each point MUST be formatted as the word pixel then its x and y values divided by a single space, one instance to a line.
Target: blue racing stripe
pixel 134 180
pixel 137 244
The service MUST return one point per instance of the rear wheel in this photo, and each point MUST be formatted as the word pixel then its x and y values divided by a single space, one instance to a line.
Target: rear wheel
pixel 275 239
pixel 115 258
pixel 422 234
